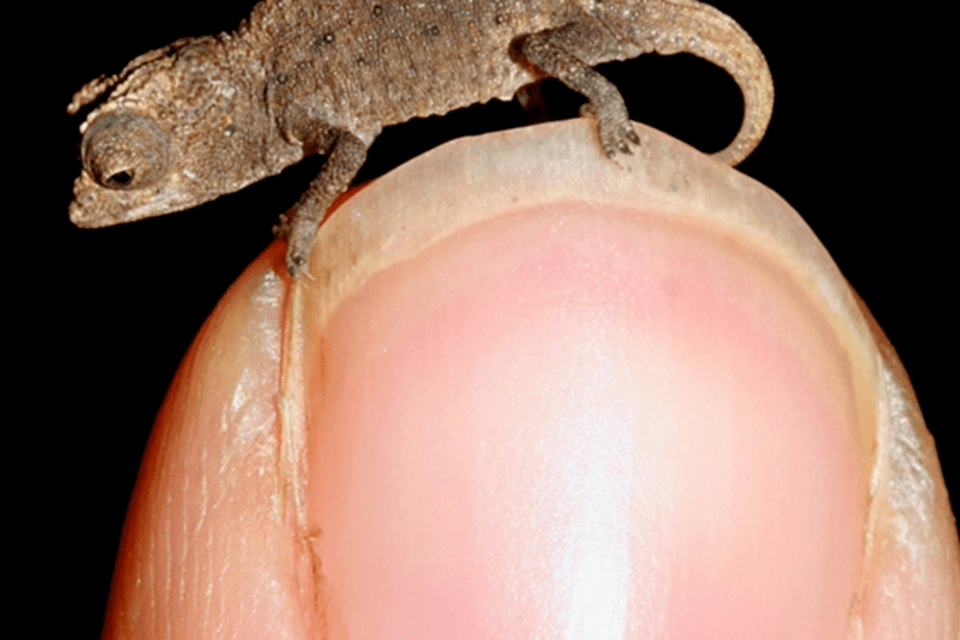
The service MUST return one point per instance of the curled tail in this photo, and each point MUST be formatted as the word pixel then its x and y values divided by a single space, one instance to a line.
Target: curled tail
pixel 693 27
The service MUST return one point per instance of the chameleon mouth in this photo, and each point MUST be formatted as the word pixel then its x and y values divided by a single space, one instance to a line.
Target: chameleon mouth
pixel 80 218
pixel 103 214
pixel 95 206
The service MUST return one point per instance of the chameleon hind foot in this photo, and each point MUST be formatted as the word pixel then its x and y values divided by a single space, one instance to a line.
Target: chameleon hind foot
pixel 614 130
pixel 560 53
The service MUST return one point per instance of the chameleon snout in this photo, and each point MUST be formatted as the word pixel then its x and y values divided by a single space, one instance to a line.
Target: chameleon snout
pixel 89 210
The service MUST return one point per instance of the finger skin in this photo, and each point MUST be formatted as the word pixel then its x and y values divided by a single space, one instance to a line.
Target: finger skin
pixel 561 420
pixel 207 550
pixel 911 575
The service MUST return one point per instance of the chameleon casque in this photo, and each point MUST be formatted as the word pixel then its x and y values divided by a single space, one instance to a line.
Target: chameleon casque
pixel 206 116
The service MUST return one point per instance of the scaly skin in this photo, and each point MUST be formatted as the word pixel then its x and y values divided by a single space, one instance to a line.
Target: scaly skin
pixel 208 116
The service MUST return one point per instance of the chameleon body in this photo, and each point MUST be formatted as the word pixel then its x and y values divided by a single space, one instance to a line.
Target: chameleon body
pixel 207 116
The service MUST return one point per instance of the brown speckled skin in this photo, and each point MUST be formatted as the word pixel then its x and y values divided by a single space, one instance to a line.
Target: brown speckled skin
pixel 207 116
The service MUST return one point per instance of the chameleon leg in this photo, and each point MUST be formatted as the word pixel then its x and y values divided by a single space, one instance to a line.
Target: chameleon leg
pixel 299 226
pixel 560 54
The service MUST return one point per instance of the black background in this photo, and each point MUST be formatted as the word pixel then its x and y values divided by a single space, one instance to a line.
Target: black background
pixel 856 145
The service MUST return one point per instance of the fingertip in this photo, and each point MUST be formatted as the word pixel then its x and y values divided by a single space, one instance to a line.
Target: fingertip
pixel 366 453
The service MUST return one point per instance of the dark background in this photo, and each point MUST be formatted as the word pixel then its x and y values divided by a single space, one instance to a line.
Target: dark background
pixel 855 145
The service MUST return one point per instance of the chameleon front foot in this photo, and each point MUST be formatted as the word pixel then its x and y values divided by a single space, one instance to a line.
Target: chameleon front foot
pixel 299 225
pixel 299 234
pixel 295 262
pixel 298 242
pixel 281 230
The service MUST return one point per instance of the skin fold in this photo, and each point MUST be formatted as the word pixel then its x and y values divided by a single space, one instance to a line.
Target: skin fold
pixel 526 393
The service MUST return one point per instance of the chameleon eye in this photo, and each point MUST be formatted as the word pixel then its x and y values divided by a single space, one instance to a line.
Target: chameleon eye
pixel 126 151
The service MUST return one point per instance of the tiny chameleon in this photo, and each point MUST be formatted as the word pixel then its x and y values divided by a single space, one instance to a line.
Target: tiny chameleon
pixel 206 116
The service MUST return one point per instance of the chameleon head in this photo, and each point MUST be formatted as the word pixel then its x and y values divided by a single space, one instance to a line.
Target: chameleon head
pixel 183 125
